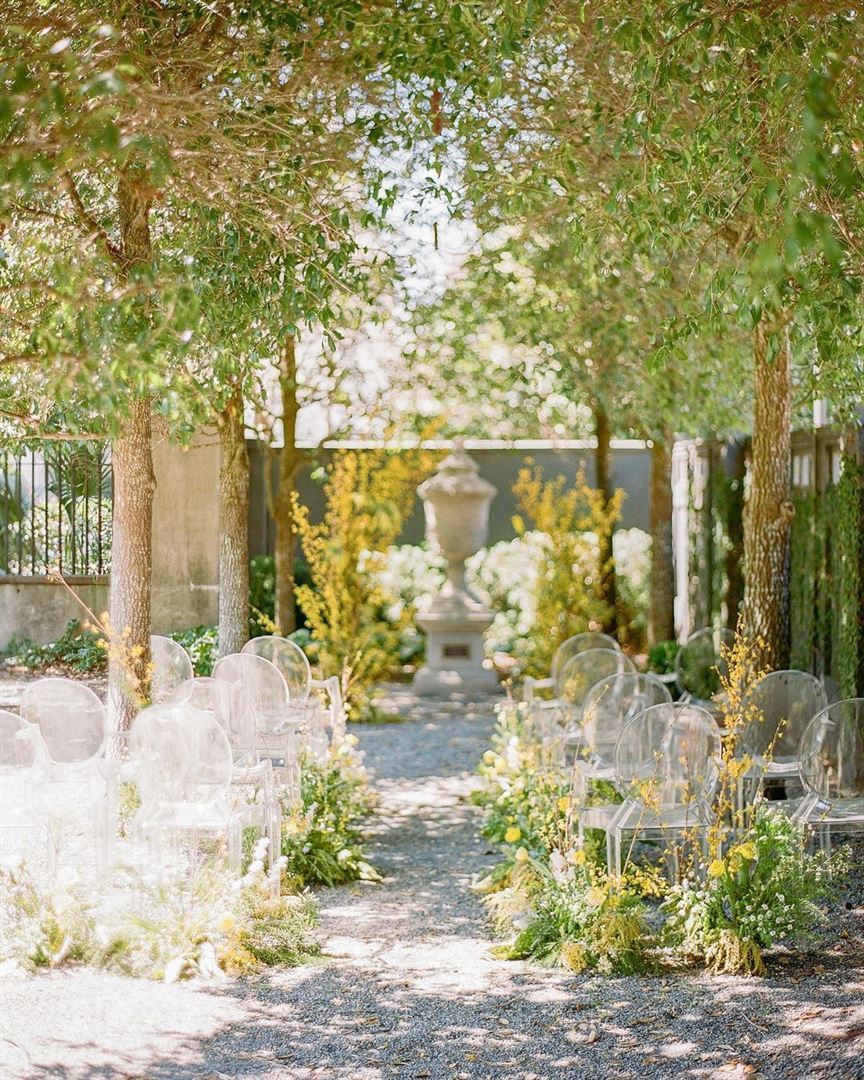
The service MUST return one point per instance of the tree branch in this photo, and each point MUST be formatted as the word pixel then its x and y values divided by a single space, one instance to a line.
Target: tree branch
pixel 87 219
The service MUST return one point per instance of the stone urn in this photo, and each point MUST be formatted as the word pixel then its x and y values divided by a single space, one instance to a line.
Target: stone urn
pixel 456 503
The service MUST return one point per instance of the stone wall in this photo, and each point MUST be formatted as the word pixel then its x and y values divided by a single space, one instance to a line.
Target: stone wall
pixel 631 463
pixel 186 535
pixel 40 609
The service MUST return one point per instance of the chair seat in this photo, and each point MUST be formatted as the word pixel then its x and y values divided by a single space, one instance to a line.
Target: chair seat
pixel 843 811
pixel 787 767
pixel 194 816
pixel 637 815
pixel 599 817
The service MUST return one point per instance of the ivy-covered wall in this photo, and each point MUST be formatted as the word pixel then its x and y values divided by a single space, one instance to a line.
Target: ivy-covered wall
pixel 826 565
pixel 827 575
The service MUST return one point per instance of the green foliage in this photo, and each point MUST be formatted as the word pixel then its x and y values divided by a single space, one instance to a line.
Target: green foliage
pixel 197 924
pixel 765 889
pixel 825 579
pixel 804 575
pixel 582 926
pixel 80 649
pixel 38 929
pixel 563 910
pixel 845 507
pixel 322 839
pixel 661 657
pixel 262 592
pixel 202 644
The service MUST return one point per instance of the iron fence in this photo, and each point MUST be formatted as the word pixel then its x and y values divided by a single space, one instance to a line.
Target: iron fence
pixel 55 510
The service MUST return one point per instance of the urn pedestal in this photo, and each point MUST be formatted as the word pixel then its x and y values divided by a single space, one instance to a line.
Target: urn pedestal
pixel 456 503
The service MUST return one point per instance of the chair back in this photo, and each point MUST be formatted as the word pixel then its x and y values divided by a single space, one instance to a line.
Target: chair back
pixel 291 661
pixel 21 750
pixel 589 639
pixel 230 706
pixel 700 663
pixel 583 670
pixel 171 666
pixel 262 682
pixel 70 719
pixel 785 702
pixel 182 756
pixel 667 756
pixel 831 752
pixel 611 704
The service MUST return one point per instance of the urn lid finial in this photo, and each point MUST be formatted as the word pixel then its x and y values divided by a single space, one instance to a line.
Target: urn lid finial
pixel 458 474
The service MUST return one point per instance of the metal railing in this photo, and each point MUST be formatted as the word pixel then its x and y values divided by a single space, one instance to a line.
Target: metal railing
pixel 55 510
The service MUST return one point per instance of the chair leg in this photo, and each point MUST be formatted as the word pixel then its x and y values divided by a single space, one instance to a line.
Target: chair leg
pixel 235 846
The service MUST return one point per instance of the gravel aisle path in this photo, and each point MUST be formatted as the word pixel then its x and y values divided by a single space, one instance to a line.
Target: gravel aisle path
pixel 407 988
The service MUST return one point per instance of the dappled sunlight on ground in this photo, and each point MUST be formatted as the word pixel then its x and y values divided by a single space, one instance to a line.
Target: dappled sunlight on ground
pixel 407 986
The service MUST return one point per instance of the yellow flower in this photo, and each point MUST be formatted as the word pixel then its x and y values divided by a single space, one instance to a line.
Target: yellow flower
pixel 717 868
pixel 596 896
pixel 490 757
pixel 573 956
pixel 564 804
pixel 513 834
pixel 579 857
pixel 746 851
pixel 351 739
pixel 522 854
pixel 226 923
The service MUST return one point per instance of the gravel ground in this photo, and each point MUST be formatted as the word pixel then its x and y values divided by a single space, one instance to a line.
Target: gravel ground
pixel 407 987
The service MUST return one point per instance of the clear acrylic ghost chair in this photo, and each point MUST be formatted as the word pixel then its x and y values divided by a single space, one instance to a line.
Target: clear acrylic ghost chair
pixel 76 788
pixel 785 702
pixel 609 706
pixel 278 726
pixel 231 707
pixel 22 754
pixel 700 663
pixel 171 666
pixel 184 768
pixel 589 639
pixel 294 665
pixel 831 760
pixel 578 676
pixel 667 768
pixel 289 658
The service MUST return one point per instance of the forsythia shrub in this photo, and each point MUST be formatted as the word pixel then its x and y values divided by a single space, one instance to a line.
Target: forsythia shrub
pixel 368 496
pixel 569 595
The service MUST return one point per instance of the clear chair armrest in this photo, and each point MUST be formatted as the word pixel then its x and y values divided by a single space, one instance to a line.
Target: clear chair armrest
pixel 531 684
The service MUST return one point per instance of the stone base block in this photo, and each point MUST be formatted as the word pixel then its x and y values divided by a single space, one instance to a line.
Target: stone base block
pixel 442 682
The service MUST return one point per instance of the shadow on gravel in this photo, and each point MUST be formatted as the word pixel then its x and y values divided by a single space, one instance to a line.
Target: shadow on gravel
pixel 343 1024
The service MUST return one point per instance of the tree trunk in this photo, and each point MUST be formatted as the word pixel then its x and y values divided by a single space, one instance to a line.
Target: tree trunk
pixel 131 566
pixel 282 503
pixel 769 510
pixel 661 614
pixel 134 488
pixel 233 529
pixel 608 588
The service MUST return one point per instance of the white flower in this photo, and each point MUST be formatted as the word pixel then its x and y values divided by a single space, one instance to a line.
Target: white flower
pixel 561 869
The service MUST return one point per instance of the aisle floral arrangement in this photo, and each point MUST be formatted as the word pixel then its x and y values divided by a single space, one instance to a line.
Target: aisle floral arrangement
pixel 551 896
pixel 202 921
